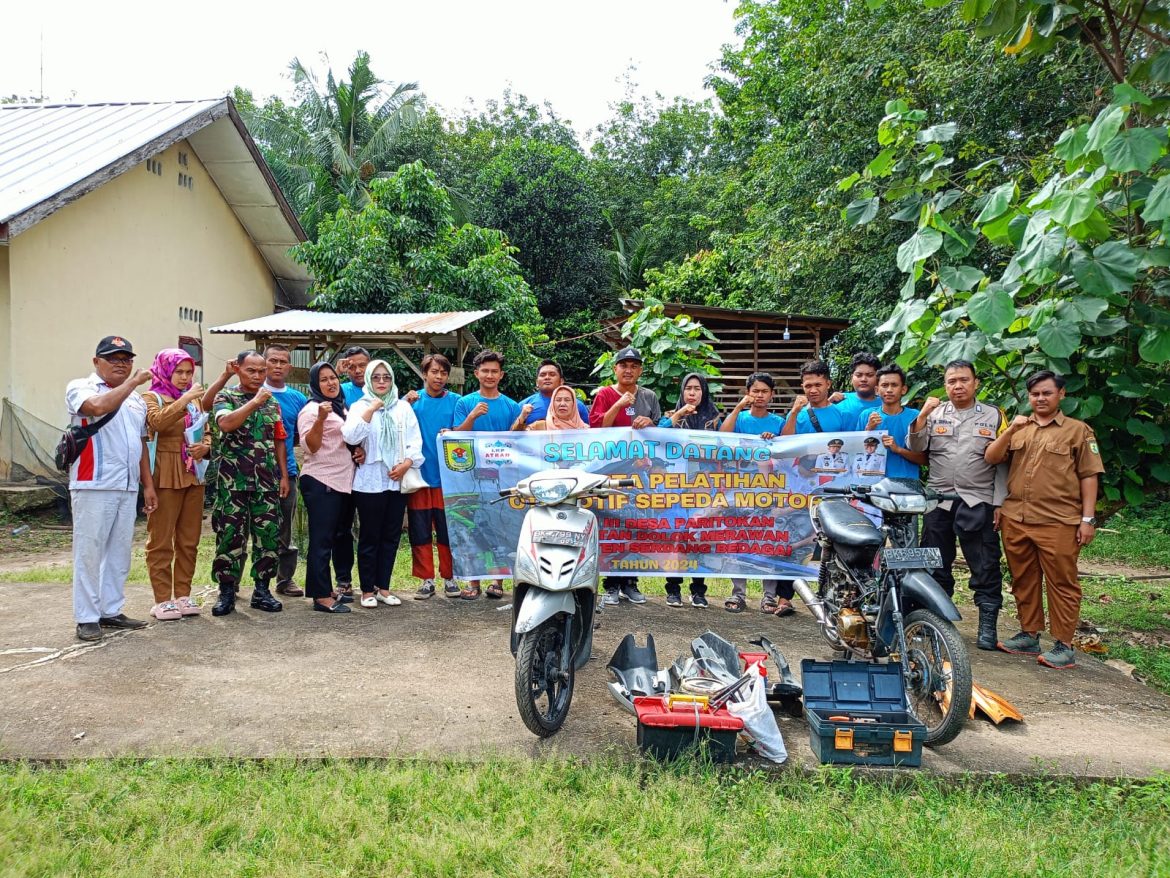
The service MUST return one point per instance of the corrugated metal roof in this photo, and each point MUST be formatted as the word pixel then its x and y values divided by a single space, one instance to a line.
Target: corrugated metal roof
pixel 327 323
pixel 50 155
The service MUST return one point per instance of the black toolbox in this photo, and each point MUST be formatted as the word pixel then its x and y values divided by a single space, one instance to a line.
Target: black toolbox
pixel 857 714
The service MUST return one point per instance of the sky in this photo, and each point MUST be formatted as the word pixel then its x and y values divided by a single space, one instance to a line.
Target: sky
pixel 574 55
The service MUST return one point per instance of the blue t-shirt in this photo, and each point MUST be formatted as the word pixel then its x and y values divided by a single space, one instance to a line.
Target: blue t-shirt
pixel 831 418
pixel 539 403
pixel 434 413
pixel 291 402
pixel 746 422
pixel 898 426
pixel 501 414
pixel 352 392
pixel 853 405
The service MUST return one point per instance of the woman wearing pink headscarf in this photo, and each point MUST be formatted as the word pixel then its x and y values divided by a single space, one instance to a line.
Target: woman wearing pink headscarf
pixel 172 409
pixel 562 412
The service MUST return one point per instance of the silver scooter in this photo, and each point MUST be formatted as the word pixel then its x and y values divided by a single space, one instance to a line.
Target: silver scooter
pixel 555 590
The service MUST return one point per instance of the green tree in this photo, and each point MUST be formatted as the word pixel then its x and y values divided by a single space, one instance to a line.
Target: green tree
pixel 671 349
pixel 335 139
pixel 400 253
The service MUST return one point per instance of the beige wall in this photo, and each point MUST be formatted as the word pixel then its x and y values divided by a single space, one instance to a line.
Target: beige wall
pixel 123 260
pixel 5 341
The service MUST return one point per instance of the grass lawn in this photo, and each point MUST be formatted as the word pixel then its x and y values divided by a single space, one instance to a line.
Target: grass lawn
pixel 555 818
pixel 1142 538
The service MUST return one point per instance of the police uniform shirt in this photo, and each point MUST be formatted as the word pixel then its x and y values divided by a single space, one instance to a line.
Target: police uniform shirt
pixel 833 463
pixel 955 439
pixel 1046 465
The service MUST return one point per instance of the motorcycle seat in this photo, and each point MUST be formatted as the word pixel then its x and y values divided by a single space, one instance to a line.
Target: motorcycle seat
pixel 848 526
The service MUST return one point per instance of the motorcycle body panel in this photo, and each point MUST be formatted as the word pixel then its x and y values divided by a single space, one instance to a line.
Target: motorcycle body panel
pixel 918 589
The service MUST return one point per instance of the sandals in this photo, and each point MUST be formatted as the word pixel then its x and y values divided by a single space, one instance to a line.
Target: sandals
pixel 768 605
pixel 470 593
pixel 735 605
pixel 784 607
pixel 495 591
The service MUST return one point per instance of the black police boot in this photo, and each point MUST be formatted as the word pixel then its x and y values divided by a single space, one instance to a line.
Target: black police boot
pixel 987 637
pixel 262 599
pixel 226 601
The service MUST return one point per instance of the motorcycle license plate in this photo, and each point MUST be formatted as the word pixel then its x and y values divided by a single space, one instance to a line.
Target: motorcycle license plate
pixel 906 559
pixel 559 537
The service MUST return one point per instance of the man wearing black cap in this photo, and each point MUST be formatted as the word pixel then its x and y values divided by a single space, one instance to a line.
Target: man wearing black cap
pixel 103 486
pixel 870 462
pixel 625 404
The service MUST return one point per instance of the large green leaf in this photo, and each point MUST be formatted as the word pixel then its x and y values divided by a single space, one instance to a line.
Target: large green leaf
pixel 960 277
pixel 904 314
pixel 861 211
pixel 1134 149
pixel 1000 19
pixel 1082 308
pixel 1154 346
pixel 1059 338
pixel 1070 207
pixel 1043 251
pixel 1160 67
pixel 992 310
pixel 941 133
pixel 997 202
pixel 1124 385
pixel 1072 143
pixel 1148 430
pixel 1112 268
pixel 924 243
pixel 1158 201
pixel 966 346
pixel 1104 127
pixel 879 166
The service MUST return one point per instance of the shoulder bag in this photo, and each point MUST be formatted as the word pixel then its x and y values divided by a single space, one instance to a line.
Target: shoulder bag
pixel 74 440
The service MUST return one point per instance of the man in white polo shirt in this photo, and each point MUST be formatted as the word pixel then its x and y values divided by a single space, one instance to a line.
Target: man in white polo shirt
pixel 103 486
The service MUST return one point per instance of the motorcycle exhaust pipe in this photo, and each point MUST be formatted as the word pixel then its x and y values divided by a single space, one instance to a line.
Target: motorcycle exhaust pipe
pixel 817 608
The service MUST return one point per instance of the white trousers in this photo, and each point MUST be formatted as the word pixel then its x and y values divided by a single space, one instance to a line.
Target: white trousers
pixel 103 533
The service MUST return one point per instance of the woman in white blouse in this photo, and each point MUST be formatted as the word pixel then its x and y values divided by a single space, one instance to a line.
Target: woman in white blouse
pixel 387 430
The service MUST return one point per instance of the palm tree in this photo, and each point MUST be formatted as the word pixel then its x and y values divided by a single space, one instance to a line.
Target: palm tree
pixel 335 139
pixel 629 259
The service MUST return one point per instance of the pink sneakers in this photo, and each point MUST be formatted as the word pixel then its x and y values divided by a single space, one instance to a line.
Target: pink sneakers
pixel 188 607
pixel 167 611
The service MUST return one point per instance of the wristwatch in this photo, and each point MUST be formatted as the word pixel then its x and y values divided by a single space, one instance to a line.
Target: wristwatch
pixel 1091 521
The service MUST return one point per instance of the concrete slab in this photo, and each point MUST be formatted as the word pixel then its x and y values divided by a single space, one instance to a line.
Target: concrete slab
pixel 435 678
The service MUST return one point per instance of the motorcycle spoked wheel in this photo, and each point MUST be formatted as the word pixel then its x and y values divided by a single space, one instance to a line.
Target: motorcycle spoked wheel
pixel 543 693
pixel 939 688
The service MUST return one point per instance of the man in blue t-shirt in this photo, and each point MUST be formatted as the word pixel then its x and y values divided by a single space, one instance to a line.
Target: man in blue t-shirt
pixel 895 419
pixel 548 378
pixel 811 411
pixel 488 410
pixel 434 407
pixel 291 401
pixel 353 364
pixel 863 370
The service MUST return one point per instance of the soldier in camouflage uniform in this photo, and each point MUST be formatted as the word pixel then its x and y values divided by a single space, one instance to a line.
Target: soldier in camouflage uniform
pixel 250 451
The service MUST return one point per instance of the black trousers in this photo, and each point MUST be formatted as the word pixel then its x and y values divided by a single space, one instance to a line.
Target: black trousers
pixel 674 585
pixel 974 529
pixel 343 543
pixel 379 532
pixel 324 507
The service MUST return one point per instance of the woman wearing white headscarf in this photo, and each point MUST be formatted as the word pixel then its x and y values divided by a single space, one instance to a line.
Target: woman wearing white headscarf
pixel 387 430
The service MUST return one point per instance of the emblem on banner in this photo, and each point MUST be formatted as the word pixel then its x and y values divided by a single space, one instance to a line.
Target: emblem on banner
pixel 459 455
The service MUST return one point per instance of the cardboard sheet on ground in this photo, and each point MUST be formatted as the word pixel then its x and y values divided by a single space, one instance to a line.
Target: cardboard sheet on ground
pixel 707 504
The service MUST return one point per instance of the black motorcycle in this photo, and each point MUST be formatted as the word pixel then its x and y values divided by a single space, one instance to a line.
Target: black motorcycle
pixel 882 604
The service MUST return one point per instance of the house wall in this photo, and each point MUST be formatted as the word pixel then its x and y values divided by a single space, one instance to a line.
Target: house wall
pixel 123 260
pixel 5 322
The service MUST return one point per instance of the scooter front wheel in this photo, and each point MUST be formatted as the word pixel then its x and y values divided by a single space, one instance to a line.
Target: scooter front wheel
pixel 939 684
pixel 543 690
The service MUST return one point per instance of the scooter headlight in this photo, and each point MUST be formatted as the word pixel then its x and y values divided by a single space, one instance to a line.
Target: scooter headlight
pixel 552 491
pixel 885 504
pixel 913 503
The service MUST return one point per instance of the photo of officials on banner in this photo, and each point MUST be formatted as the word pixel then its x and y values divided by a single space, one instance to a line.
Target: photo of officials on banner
pixel 705 503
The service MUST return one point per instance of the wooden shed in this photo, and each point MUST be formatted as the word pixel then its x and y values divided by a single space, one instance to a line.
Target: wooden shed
pixel 751 341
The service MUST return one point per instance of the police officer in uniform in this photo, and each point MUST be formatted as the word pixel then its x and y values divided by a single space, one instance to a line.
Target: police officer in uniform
pixel 1048 516
pixel 954 435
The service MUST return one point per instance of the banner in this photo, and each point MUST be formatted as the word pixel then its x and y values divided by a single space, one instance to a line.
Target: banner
pixel 707 504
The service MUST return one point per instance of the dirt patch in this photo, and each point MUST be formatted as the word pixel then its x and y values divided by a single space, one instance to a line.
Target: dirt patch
pixel 435 678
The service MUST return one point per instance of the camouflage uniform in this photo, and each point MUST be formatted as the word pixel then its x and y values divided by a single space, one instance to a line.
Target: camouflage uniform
pixel 247 491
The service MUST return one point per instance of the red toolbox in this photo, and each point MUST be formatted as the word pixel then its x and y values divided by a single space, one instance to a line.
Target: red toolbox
pixel 670 725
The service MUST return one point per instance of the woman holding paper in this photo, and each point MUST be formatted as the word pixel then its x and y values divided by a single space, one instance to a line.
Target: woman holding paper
pixel 175 425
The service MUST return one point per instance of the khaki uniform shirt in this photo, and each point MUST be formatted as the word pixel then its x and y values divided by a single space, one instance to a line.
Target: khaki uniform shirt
pixel 1046 467
pixel 955 439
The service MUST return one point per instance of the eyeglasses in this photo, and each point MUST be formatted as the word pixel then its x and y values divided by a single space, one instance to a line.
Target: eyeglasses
pixel 380 378
pixel 119 361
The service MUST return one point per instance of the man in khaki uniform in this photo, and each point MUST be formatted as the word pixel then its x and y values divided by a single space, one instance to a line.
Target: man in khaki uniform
pixel 955 434
pixel 1047 516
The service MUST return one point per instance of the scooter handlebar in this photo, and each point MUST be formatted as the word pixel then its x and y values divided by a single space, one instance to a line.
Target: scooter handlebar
pixel 624 483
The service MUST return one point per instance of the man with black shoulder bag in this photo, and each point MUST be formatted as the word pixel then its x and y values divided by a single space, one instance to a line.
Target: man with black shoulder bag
pixel 103 484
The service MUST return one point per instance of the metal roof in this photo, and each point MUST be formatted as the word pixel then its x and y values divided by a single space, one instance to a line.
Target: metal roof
pixel 323 323
pixel 52 154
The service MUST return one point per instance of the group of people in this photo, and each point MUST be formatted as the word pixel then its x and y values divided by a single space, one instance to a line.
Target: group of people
pixel 369 453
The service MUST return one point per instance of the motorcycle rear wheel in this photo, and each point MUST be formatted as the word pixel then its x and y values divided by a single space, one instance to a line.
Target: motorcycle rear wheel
pixel 939 688
pixel 543 693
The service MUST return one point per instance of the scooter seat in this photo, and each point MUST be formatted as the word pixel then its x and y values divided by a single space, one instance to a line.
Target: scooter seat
pixel 847 526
